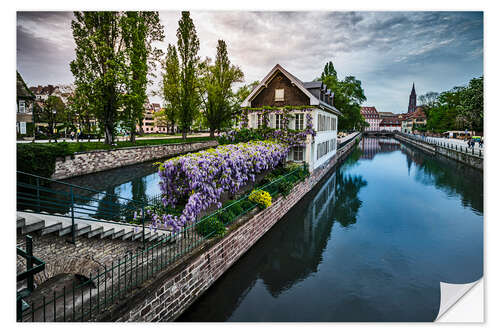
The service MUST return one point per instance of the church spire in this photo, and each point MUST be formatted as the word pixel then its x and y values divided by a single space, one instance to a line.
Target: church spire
pixel 412 105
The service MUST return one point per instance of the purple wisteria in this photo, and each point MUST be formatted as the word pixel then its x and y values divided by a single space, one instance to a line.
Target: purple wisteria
pixel 199 179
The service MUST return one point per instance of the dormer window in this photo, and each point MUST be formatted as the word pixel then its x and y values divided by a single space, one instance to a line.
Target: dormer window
pixel 279 95
pixel 22 107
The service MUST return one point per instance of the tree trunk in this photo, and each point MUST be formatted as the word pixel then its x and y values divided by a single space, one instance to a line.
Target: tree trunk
pixel 108 134
pixel 212 133
pixel 132 135
pixel 184 134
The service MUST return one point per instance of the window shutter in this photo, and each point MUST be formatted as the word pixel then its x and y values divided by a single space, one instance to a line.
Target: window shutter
pixel 272 120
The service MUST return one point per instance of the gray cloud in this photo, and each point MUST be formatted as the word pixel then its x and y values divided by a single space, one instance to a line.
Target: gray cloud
pixel 386 50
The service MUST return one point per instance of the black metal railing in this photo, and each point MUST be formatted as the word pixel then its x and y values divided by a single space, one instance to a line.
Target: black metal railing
pixel 448 145
pixel 87 300
pixel 51 197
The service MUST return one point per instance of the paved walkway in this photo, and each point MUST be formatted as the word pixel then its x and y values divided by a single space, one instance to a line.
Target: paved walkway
pixel 453 143
pixel 194 135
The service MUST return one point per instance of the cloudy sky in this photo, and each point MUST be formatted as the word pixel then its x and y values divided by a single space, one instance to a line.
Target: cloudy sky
pixel 387 51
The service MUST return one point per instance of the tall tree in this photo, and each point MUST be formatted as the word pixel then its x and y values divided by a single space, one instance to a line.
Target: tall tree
pixel 140 30
pixel 52 112
pixel 219 100
pixel 110 66
pixel 348 97
pixel 188 46
pixel 170 89
pixel 471 107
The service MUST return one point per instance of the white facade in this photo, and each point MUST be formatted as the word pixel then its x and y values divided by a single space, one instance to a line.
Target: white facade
pixel 316 152
pixel 391 128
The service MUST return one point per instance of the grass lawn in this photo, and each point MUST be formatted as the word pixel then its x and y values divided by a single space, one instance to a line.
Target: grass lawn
pixel 74 147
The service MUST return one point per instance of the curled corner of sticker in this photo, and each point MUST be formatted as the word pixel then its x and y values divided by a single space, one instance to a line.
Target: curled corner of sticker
pixel 451 294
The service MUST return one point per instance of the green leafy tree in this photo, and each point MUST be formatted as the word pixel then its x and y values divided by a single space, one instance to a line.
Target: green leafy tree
pixel 348 97
pixel 220 103
pixel 52 112
pixel 140 30
pixel 171 89
pixel 471 107
pixel 188 46
pixel 245 90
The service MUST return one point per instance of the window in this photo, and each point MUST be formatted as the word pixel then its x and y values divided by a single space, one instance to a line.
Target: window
pixel 280 123
pixel 299 121
pixel 22 107
pixel 298 153
pixel 279 95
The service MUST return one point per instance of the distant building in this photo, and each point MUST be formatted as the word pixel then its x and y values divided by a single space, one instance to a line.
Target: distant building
pixel 149 123
pixel 24 100
pixel 372 117
pixel 390 124
pixel 412 105
pixel 281 89
pixel 383 115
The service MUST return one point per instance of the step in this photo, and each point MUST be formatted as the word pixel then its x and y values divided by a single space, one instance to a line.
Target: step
pixel 128 234
pixel 20 222
pixel 118 234
pixel 32 223
pixel 95 231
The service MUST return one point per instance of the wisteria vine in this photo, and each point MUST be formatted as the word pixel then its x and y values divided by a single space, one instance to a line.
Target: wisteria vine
pixel 199 179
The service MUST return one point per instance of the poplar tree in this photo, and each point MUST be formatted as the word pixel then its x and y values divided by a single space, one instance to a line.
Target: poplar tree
pixel 170 89
pixel 140 30
pixel 219 100
pixel 188 46
pixel 112 49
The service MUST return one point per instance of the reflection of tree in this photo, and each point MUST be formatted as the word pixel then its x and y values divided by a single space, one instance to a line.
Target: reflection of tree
pixel 290 251
pixel 108 206
pixel 348 203
pixel 449 176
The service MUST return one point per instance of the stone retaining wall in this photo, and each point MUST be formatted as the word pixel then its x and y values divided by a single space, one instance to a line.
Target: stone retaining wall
pixel 171 293
pixel 473 161
pixel 100 160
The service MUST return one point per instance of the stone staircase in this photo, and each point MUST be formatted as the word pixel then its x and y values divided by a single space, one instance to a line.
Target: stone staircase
pixel 30 222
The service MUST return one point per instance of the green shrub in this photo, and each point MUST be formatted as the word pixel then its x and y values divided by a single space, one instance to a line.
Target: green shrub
pixel 285 187
pixel 40 158
pixel 211 227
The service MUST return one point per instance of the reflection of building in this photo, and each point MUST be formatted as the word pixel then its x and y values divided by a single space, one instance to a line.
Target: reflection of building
pixel 372 117
pixel 372 146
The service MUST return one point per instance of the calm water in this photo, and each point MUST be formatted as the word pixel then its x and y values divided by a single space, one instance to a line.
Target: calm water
pixel 371 243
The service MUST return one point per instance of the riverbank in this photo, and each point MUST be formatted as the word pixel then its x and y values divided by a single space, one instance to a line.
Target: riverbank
pixel 475 161
pixel 173 291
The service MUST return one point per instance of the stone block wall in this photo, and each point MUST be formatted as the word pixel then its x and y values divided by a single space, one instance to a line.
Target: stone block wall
pixel 171 294
pixel 82 258
pixel 473 161
pixel 100 160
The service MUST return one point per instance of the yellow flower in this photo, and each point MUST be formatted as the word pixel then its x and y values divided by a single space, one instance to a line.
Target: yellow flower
pixel 261 197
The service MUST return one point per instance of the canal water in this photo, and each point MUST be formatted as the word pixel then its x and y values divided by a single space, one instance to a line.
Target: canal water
pixel 369 243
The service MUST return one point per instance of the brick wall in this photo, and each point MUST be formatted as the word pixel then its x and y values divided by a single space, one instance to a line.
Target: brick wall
pixel 100 160
pixel 171 294
pixel 83 257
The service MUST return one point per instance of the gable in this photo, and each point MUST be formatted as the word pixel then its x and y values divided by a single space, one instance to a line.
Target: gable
pixel 292 94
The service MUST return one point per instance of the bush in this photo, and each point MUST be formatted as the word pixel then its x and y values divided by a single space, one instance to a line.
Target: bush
pixel 211 227
pixel 285 187
pixel 40 158
pixel 260 197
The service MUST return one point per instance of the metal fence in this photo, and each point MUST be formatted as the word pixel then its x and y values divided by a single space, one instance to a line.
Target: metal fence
pixel 85 301
pixel 52 197
pixel 448 145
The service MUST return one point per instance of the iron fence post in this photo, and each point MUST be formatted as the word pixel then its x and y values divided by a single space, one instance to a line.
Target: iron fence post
pixel 38 194
pixel 29 261
pixel 19 308
pixel 143 228
pixel 72 215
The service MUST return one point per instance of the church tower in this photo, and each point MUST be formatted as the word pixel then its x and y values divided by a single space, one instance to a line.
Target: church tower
pixel 412 106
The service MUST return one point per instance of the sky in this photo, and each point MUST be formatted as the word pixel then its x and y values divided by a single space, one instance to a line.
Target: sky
pixel 387 51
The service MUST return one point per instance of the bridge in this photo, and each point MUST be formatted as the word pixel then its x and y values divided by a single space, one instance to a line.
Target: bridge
pixel 378 134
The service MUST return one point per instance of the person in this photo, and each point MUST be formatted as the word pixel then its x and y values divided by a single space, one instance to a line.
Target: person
pixel 481 143
pixel 72 135
pixel 472 144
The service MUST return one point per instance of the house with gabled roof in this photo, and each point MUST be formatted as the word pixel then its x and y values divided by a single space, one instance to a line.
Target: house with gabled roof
pixel 25 99
pixel 284 102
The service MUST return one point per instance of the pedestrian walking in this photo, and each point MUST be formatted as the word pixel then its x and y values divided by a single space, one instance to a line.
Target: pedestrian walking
pixel 481 143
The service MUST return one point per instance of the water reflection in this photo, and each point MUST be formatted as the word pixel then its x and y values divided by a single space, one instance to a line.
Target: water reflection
pixel 371 243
